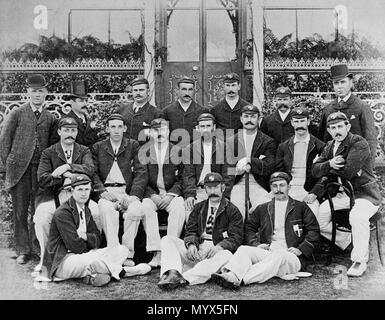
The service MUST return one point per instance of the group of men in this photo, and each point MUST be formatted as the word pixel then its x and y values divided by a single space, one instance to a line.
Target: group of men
pixel 248 195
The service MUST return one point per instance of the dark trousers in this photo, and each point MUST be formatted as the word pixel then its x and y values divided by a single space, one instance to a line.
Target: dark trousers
pixel 23 195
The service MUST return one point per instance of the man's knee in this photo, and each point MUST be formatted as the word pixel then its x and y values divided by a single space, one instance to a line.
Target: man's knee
pixel 44 213
pixel 134 211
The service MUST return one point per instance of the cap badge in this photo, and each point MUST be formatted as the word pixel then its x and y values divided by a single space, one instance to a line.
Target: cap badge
pixel 211 178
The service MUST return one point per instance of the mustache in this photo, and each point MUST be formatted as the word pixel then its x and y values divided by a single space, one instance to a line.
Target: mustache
pixel 213 195
pixel 338 135
pixel 279 192
pixel 186 96
pixel 300 128
pixel 231 92
pixel 69 138
pixel 249 122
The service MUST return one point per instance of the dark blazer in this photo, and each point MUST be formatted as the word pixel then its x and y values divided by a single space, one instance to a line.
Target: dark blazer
pixel 172 171
pixel 227 228
pixel 274 127
pixel 52 158
pixel 261 169
pixel 134 173
pixel 135 122
pixel 358 168
pixel 284 161
pixel 179 119
pixel 87 136
pixel 193 166
pixel 19 136
pixel 63 237
pixel 227 118
pixel 259 228
pixel 360 117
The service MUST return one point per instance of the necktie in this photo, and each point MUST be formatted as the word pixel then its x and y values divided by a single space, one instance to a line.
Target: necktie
pixel 81 214
pixel 209 225
pixel 37 114
pixel 68 154
pixel 341 104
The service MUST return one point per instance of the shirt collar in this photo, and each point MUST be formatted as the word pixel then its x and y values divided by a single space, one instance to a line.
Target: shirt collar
pixel 138 106
pixel 184 105
pixel 232 103
pixel 35 108
pixel 284 114
pixel 65 148
pixel 306 140
pixel 345 99
pixel 82 209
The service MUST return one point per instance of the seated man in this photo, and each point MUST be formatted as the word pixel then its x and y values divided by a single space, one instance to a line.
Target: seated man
pixel 347 158
pixel 58 164
pixel 120 180
pixel 280 237
pixel 72 249
pixel 164 188
pixel 213 231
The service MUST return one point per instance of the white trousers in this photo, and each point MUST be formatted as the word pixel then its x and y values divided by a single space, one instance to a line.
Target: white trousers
pixel 43 217
pixel 176 215
pixel 132 217
pixel 174 257
pixel 255 265
pixel 105 261
pixel 299 193
pixel 359 220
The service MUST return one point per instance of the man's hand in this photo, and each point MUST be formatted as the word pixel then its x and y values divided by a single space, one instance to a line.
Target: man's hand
pixel 68 174
pixel 58 172
pixel 82 235
pixel 166 200
pixel 337 162
pixel 296 251
pixel 156 199
pixel 243 165
pixel 264 246
pixel 310 198
pixel 213 251
pixel 189 203
pixel 192 253
pixel 108 196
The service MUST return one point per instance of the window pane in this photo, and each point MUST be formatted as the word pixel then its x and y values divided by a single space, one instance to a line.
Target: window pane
pixel 221 37
pixel 171 4
pixel 221 4
pixel 183 35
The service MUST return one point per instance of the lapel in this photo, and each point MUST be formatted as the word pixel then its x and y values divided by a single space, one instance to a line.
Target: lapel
pixel 344 145
pixel 142 110
pixel 291 146
pixel 350 100
pixel 43 116
pixel 122 148
pixel 60 152
pixel 109 150
pixel 271 212
pixel 74 210
pixel 289 208
pixel 81 126
pixel 30 113
pixel 77 151
pixel 310 146
pixel 257 143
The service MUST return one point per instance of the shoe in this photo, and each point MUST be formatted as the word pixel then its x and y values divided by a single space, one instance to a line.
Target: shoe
pixel 128 263
pixel 226 280
pixel 38 268
pixel 99 280
pixel 22 259
pixel 155 261
pixel 138 270
pixel 40 278
pixel 357 269
pixel 172 281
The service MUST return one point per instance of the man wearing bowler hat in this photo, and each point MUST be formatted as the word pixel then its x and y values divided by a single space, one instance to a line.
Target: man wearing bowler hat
pixel 347 158
pixel 228 111
pixel 183 113
pixel 139 114
pixel 87 133
pixel 26 132
pixel 358 112
pixel 58 164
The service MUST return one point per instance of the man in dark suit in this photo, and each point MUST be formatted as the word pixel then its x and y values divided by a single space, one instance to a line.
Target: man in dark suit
pixel 27 131
pixel 250 151
pixel 358 112
pixel 120 182
pixel 183 113
pixel 58 164
pixel 164 188
pixel 139 114
pixel 87 133
pixel 228 111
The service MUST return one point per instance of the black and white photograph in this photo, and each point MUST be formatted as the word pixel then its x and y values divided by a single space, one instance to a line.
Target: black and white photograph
pixel 192 155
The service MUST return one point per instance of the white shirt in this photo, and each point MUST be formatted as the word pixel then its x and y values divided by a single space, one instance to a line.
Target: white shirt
pixel 82 219
pixel 283 115
pixel 185 105
pixel 115 175
pixel 248 140
pixel 345 98
pixel 207 154
pixel 136 106
pixel 36 108
pixel 68 152
pixel 232 103
pixel 298 170
pixel 278 238
pixel 160 151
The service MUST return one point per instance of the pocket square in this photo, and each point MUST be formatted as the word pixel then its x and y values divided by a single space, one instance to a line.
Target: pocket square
pixel 352 117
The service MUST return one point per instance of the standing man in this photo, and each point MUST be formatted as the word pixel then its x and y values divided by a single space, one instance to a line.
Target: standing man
pixel 183 113
pixel 139 114
pixel 295 156
pixel 277 125
pixel 347 158
pixel 58 164
pixel 228 111
pixel 214 230
pixel 120 182
pixel 72 250
pixel 256 154
pixel 204 156
pixel 280 237
pixel 358 112
pixel 87 133
pixel 27 131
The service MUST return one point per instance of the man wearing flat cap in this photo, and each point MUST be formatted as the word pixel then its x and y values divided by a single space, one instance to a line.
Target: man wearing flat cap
pixel 26 132
pixel 73 245
pixel 204 156
pixel 358 112
pixel 183 113
pixel 228 111
pixel 138 115
pixel 295 156
pixel 58 164
pixel 87 133
pixel 120 182
pixel 251 155
pixel 214 230
pixel 280 237
pixel 347 158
